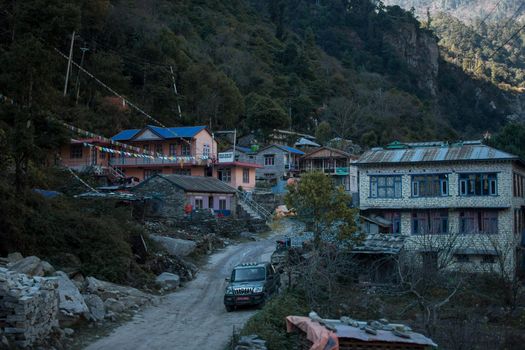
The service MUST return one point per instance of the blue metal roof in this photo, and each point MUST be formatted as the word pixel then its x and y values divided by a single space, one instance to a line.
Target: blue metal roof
pixel 167 133
pixel 434 152
pixel 291 149
pixel 125 135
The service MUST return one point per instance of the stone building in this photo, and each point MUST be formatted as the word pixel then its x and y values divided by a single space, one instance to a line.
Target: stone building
pixel 432 191
pixel 172 193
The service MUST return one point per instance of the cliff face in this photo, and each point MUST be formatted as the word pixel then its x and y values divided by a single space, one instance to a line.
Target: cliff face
pixel 419 50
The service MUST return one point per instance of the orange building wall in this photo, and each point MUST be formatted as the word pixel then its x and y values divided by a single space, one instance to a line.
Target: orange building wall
pixel 89 157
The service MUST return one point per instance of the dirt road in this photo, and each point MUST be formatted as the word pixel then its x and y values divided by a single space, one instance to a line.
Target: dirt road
pixel 195 317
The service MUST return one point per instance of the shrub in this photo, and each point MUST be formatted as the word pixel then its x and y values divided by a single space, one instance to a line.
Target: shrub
pixel 269 323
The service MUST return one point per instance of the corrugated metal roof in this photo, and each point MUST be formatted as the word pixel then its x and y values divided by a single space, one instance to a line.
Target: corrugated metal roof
pixel 125 135
pixel 201 184
pixel 167 133
pixel 435 152
pixel 291 149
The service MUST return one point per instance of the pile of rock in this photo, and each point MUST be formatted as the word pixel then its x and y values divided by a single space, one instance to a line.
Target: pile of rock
pixel 32 306
pixel 250 342
pixel 28 308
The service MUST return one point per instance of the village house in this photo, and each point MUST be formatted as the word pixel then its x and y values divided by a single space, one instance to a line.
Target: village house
pixel 465 189
pixel 278 161
pixel 189 150
pixel 333 162
pixel 171 194
pixel 77 156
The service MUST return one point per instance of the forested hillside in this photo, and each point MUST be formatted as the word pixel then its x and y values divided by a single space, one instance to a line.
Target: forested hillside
pixel 256 65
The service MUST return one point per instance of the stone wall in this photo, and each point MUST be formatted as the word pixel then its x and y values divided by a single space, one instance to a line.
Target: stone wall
pixel 268 200
pixel 168 200
pixel 28 307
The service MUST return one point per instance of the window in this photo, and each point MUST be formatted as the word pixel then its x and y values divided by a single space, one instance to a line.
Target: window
pixel 210 202
pixel 150 172
pixel 478 184
pixel 186 172
pixel 519 221
pixel 269 159
pixel 395 221
pixel 385 186
pixel 199 203
pixel 429 185
pixel 225 175
pixel 186 151
pixel 158 149
pixel 478 221
pixel 462 258
pixel 76 152
pixel 488 259
pixel 206 151
pixel 429 222
pixel 172 150
pixel 519 183
pixel 222 204
pixel 246 175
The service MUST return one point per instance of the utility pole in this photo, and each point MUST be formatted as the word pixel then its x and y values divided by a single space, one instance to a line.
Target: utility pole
pixel 69 62
pixel 177 93
pixel 77 84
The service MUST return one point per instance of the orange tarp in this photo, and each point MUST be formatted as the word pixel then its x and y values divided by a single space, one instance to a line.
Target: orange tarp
pixel 322 338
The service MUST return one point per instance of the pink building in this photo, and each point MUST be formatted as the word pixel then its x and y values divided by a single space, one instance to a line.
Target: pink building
pixel 189 150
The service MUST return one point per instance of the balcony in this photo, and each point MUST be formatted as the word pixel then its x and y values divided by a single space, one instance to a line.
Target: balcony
pixel 341 171
pixel 132 161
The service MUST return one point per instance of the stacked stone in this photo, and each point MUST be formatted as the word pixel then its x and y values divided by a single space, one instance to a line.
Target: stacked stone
pixel 28 307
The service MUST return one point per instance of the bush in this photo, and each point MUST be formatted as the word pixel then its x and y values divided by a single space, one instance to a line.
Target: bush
pixel 269 324
pixel 95 234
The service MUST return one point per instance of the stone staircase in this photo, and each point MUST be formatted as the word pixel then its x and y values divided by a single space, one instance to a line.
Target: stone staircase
pixel 248 210
pixel 252 208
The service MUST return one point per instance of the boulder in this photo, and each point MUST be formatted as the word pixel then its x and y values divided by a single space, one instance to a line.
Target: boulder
pixel 175 246
pixel 114 305
pixel 107 290
pixel 168 281
pixel 47 268
pixel 97 309
pixel 14 257
pixel 30 266
pixel 71 302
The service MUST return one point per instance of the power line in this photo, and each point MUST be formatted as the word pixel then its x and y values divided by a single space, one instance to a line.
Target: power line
pixel 507 41
pixel 137 108
pixel 489 14
pixel 512 17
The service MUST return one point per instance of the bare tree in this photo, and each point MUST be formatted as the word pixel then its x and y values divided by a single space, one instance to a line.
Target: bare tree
pixel 428 272
pixel 500 254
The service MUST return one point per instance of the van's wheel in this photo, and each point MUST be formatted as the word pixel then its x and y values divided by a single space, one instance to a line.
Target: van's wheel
pixel 229 308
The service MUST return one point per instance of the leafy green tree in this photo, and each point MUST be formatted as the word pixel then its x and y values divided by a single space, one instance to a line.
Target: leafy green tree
pixel 323 206
pixel 265 115
pixel 511 139
pixel 323 133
